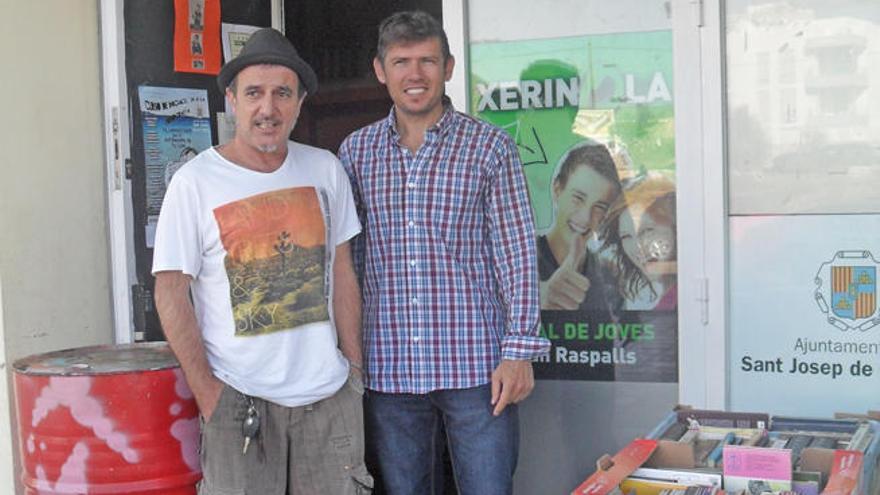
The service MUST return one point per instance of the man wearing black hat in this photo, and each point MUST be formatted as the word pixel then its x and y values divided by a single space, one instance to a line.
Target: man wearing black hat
pixel 257 294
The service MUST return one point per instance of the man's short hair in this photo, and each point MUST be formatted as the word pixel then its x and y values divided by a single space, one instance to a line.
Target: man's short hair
pixel 590 154
pixel 408 27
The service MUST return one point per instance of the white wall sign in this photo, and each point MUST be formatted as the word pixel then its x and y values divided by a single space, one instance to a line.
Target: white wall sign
pixel 805 325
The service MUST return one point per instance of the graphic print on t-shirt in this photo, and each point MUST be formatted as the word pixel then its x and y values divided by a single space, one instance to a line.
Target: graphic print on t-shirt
pixel 275 244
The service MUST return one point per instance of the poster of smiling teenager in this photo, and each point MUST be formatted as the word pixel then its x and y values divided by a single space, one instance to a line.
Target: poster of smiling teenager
pixel 592 117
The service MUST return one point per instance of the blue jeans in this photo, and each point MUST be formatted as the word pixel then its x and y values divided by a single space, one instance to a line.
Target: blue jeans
pixel 403 429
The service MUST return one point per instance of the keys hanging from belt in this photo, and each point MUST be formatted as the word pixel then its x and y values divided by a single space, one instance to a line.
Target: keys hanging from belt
pixel 250 426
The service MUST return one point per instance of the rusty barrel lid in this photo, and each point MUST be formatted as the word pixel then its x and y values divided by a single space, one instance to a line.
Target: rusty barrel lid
pixel 99 360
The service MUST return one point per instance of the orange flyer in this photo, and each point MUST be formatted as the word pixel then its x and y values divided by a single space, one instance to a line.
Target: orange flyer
pixel 625 462
pixel 197 36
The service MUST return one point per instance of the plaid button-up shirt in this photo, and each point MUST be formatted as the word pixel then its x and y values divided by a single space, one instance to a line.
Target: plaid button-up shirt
pixel 447 255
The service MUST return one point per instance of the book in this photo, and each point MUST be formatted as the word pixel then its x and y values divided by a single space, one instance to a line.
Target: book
pixel 797 443
pixel 674 432
pixel 642 486
pixel 758 438
pixel 702 449
pixel 714 458
pixel 845 471
pixel 861 438
pixel 688 477
pixel 724 418
pixel 785 423
pixel 719 432
pixel 690 436
pixel 756 470
pixel 822 442
pixel 650 481
pixel 865 442
pixel 604 481
pixel 691 490
pixel 776 442
pixel 806 482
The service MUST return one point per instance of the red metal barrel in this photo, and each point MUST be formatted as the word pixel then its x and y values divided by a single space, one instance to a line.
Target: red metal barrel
pixel 107 419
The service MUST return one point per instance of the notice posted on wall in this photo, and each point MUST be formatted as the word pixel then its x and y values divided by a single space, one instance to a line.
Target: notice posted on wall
pixel 176 127
pixel 197 36
pixel 234 37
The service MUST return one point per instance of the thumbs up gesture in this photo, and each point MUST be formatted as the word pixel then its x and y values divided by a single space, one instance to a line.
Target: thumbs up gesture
pixel 567 287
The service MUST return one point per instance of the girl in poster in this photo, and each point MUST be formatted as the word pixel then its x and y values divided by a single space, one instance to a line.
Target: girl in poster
pixel 639 231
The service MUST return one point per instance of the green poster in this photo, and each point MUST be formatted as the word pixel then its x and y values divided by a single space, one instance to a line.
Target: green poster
pixel 592 117
pixel 551 94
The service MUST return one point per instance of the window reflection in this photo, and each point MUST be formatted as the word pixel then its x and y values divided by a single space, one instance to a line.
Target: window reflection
pixel 802 79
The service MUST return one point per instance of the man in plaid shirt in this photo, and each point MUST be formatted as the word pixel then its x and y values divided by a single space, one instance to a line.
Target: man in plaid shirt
pixel 448 265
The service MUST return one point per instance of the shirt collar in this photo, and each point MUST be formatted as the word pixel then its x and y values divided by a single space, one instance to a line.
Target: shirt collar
pixel 442 125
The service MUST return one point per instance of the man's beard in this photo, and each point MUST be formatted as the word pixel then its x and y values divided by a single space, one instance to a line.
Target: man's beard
pixel 273 148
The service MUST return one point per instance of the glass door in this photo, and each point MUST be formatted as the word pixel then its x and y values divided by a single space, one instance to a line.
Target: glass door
pixel 589 92
pixel 802 100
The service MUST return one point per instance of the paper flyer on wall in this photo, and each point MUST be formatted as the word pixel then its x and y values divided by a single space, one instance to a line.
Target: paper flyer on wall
pixel 225 127
pixel 197 36
pixel 234 37
pixel 592 118
pixel 176 127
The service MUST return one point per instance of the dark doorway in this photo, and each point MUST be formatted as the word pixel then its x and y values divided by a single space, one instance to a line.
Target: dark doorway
pixel 338 38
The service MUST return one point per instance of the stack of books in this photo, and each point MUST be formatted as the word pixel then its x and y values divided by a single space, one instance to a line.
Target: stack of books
pixel 649 481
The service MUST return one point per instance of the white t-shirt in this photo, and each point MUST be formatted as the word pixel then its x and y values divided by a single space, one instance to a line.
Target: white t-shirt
pixel 255 245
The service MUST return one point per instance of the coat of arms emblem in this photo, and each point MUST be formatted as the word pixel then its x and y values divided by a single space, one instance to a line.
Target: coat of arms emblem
pixel 846 290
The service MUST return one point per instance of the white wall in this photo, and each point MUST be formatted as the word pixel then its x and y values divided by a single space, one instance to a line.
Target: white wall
pixel 53 228
pixel 6 457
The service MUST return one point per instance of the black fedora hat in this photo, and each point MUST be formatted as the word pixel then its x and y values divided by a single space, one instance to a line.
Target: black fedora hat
pixel 268 46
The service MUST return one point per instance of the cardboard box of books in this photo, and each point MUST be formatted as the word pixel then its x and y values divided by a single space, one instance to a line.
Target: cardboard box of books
pixel 756 453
